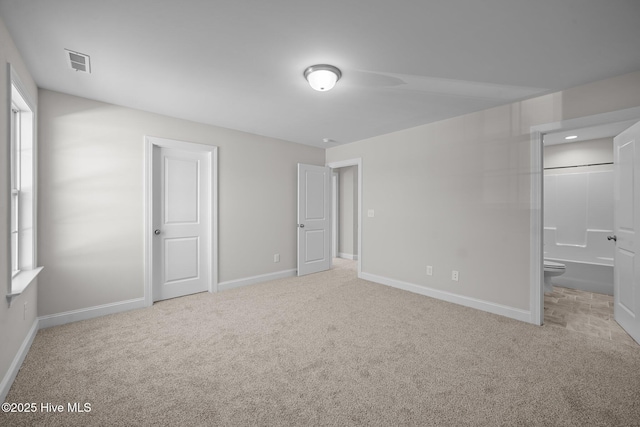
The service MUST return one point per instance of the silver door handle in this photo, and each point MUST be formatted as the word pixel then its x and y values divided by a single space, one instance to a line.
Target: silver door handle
pixel 301 225
pixel 156 232
pixel 614 238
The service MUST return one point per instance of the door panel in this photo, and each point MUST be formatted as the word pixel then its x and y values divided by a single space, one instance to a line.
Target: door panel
pixel 315 246
pixel 624 263
pixel 315 200
pixel 181 190
pixel 181 259
pixel 314 219
pixel 626 224
pixel 182 245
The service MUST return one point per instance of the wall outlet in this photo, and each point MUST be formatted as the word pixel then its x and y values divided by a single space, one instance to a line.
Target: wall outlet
pixel 276 258
pixel 454 275
pixel 429 270
pixel 24 314
pixel 371 213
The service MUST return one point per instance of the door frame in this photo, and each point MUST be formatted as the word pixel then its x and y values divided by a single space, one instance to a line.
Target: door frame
pixel 212 218
pixel 335 213
pixel 354 162
pixel 536 219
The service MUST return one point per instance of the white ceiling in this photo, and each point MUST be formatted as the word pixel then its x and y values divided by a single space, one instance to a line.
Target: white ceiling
pixel 239 63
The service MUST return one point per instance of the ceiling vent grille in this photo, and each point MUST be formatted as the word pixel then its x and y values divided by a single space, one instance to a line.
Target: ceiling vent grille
pixel 79 61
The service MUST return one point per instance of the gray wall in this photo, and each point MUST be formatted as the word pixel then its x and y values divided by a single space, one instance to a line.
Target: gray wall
pixel 91 199
pixel 456 194
pixel 14 325
pixel 348 215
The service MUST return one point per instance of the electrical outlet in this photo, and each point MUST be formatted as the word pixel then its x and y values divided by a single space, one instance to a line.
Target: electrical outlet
pixel 24 314
pixel 276 258
pixel 454 275
pixel 429 270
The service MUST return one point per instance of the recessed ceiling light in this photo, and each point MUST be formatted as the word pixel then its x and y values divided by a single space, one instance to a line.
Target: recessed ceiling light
pixel 571 137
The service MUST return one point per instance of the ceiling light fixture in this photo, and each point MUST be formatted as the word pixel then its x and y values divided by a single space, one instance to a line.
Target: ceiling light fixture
pixel 571 137
pixel 322 77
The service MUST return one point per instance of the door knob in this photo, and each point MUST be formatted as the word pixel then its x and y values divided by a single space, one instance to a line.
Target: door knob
pixel 301 225
pixel 156 232
pixel 614 238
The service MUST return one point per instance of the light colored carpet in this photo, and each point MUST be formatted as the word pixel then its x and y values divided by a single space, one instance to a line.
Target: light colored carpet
pixel 326 349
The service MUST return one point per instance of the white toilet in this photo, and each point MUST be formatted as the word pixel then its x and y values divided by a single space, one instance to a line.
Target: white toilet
pixel 551 269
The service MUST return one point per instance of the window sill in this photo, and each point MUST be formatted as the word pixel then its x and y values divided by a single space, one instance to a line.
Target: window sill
pixel 20 283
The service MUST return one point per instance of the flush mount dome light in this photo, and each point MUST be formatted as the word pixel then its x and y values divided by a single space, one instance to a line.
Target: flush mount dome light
pixel 322 77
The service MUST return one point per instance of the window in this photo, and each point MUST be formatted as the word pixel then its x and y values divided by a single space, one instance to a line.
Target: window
pixel 15 190
pixel 23 189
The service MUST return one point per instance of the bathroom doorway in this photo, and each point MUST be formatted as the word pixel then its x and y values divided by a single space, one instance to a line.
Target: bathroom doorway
pixel 577 203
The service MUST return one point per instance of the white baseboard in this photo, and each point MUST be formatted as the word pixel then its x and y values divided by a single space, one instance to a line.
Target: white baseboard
pixel 502 310
pixel 90 312
pixel 12 372
pixel 231 284
pixel 347 256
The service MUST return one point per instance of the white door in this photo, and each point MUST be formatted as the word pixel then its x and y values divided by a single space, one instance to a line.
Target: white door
pixel 181 246
pixel 627 208
pixel 314 219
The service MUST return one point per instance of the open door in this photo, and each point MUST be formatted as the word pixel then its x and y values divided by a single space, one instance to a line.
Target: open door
pixel 314 219
pixel 627 209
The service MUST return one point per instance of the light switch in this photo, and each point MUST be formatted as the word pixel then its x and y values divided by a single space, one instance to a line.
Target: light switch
pixel 370 213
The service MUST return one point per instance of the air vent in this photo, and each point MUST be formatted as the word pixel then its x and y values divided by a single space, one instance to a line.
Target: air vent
pixel 79 61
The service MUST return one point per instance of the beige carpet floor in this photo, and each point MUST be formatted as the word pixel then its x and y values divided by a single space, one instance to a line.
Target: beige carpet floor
pixel 326 349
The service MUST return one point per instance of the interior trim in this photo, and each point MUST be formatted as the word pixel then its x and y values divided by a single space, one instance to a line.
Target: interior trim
pixel 12 372
pixel 237 283
pixel 89 312
pixel 536 291
pixel 490 307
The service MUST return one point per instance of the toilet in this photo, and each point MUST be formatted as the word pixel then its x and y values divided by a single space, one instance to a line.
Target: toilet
pixel 551 269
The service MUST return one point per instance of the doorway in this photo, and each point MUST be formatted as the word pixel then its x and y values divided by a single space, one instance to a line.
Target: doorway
pixel 578 216
pixel 599 126
pixel 345 213
pixel 352 171
pixel 180 218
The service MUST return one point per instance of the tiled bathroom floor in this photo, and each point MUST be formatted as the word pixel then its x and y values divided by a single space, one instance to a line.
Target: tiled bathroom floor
pixel 584 312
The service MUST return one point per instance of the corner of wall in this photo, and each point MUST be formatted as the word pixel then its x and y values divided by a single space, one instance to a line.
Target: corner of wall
pixel 19 325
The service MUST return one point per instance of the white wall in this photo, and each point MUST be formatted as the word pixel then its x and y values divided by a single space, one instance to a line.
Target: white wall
pixel 14 325
pixel 581 153
pixel 456 195
pixel 578 201
pixel 91 200
pixel 348 229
